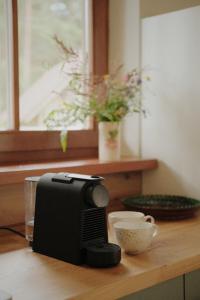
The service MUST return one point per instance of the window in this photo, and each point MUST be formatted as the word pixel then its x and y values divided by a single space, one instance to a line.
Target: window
pixel 30 71
pixel 5 65
pixel 42 82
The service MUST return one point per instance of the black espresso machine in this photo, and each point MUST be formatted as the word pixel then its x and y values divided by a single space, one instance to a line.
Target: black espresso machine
pixel 70 220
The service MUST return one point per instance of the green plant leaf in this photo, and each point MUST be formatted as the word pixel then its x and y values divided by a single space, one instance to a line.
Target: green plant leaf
pixel 107 98
pixel 64 140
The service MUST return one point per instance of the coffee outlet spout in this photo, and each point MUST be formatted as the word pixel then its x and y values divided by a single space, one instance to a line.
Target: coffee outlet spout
pixel 70 220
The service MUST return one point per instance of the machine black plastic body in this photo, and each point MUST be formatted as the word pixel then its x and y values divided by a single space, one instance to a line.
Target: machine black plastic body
pixel 70 216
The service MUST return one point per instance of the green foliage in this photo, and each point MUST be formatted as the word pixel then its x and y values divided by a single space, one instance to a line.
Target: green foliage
pixel 64 140
pixel 107 98
pixel 113 134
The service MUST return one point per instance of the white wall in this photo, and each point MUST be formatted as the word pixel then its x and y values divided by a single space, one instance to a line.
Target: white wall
pixel 124 48
pixel 171 50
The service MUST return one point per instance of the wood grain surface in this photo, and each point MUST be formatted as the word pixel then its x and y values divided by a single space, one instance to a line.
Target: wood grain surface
pixel 17 173
pixel 27 275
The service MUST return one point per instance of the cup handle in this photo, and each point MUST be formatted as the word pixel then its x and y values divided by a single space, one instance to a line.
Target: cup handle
pixel 149 219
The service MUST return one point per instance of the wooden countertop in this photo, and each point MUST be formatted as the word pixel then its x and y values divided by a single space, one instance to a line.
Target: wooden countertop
pixel 30 276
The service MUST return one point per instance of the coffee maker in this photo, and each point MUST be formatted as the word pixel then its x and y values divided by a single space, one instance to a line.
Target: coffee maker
pixel 70 220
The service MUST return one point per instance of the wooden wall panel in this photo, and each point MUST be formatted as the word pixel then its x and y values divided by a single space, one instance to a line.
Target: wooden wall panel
pixel 122 185
pixel 119 185
pixel 11 204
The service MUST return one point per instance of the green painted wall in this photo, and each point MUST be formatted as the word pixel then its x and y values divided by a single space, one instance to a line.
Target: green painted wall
pixel 192 286
pixel 184 287
pixel 169 290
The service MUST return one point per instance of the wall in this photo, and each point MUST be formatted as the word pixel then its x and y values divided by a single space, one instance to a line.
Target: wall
pixel 157 7
pixel 171 55
pixel 124 48
pixel 170 49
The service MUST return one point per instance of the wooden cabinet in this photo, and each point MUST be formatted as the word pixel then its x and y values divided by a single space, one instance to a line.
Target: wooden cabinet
pixel 192 285
pixel 168 290
pixel 186 287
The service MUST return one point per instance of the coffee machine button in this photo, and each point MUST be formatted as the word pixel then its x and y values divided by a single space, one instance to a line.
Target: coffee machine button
pixel 97 195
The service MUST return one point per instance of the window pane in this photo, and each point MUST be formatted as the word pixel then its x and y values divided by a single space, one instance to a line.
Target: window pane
pixel 41 78
pixel 5 82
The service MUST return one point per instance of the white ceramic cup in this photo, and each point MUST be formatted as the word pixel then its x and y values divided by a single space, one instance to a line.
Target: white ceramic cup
pixel 135 237
pixel 128 216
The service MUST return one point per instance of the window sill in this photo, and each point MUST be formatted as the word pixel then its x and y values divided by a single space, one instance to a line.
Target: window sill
pixel 17 173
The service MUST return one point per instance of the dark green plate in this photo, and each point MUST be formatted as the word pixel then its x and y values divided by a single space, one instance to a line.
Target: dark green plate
pixel 163 206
